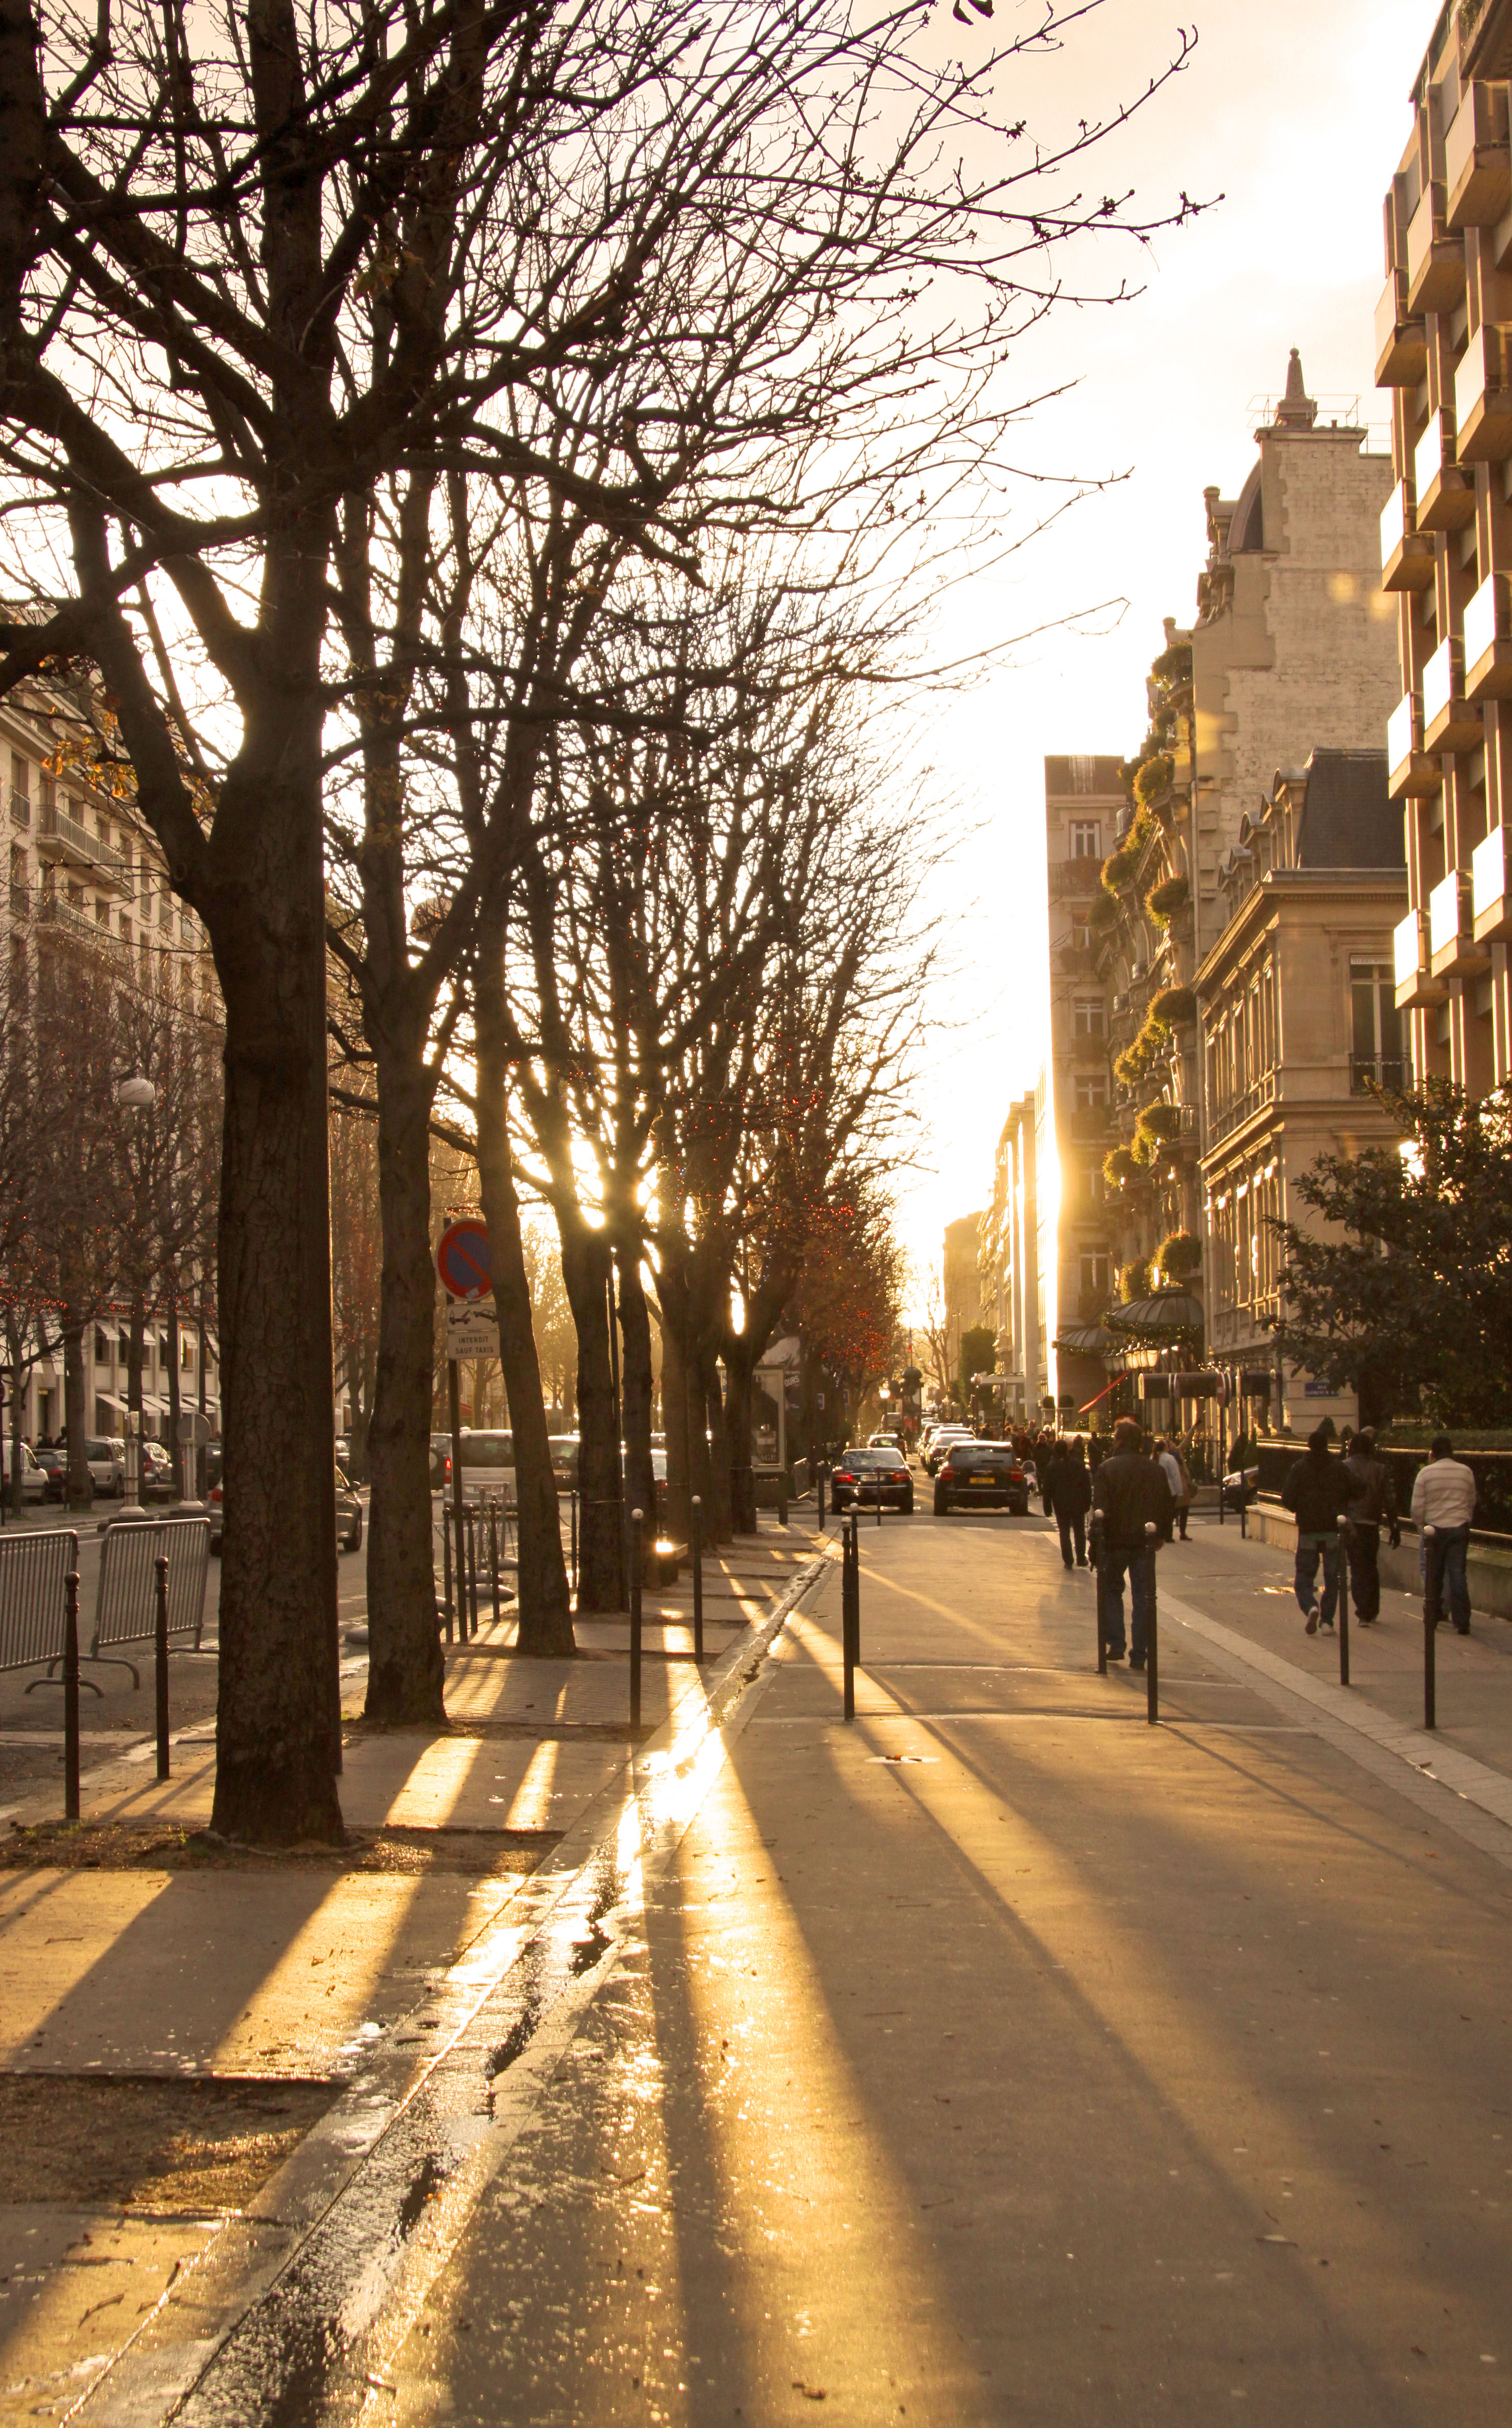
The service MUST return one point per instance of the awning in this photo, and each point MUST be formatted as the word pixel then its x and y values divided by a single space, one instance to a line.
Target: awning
pixel 1162 1317
pixel 1083 1340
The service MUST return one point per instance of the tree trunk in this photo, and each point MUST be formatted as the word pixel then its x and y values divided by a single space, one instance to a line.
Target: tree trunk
pixel 176 1448
pixel 585 1266
pixel 635 1332
pixel 676 1410
pixel 738 1432
pixel 18 1498
pixel 406 1669
pixel 545 1595
pixel 278 1721
pixel 80 1484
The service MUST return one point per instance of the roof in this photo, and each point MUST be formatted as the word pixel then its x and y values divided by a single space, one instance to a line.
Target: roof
pixel 1348 819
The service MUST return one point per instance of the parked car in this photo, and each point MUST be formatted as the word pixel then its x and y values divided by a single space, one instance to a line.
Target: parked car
pixel 54 1464
pixel 440 1462
pixel 981 1474
pixel 869 1475
pixel 940 1442
pixel 33 1479
pixel 348 1515
pixel 106 1454
pixel 884 1441
pixel 564 1460
pixel 157 1471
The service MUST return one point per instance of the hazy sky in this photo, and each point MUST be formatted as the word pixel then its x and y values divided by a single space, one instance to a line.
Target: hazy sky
pixel 1297 113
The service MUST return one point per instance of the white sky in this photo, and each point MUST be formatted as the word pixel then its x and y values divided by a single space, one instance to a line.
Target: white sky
pixel 1298 112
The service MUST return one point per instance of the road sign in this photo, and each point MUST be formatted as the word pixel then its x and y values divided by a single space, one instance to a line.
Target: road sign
pixel 464 1261
pixel 472 1331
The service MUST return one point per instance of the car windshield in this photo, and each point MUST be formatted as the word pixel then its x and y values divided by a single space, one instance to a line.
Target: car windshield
pixel 983 1455
pixel 488 1449
pixel 872 1458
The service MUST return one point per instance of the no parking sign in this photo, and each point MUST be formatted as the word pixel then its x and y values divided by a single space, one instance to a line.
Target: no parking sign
pixel 463 1260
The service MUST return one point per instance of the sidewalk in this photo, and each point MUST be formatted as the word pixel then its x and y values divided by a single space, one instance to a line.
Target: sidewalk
pixel 224 2002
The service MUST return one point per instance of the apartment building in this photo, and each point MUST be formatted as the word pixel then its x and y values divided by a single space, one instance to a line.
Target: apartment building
pixel 1443 341
pixel 1299 1024
pixel 961 1283
pixel 1012 1291
pixel 89 892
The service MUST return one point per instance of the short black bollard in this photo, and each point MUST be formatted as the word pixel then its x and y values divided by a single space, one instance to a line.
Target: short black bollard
pixel 1344 1610
pixel 472 1564
pixel 782 1497
pixel 820 1473
pixel 1243 1511
pixel 459 1571
pixel 879 1500
pixel 1153 1638
pixel 1096 1548
pixel 575 1538
pixel 446 1567
pixel 160 1664
pixel 493 1553
pixel 1430 1625
pixel 695 1531
pixel 71 1696
pixel 636 1529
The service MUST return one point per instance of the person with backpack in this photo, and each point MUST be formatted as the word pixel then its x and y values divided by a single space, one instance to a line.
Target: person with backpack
pixel 1319 1491
pixel 1375 1508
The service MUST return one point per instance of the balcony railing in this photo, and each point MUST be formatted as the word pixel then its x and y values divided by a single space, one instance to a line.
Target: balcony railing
pixel 1450 722
pixel 62 837
pixel 1436 259
pixel 1490 872
pixel 1074 877
pixel 1452 926
pixel 1446 500
pixel 1410 772
pixel 1241 1108
pixel 1483 399
pixel 67 920
pixel 1407 553
pixel 1401 338
pixel 1477 167
pixel 1392 1072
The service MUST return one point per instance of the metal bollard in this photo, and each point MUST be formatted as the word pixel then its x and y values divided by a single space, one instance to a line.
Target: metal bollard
pixel 636 1527
pixel 575 1538
pixel 1344 1610
pixel 71 1696
pixel 459 1571
pixel 1152 1640
pixel 851 1609
pixel 493 1552
pixel 782 1497
pixel 160 1664
pixel 1430 1625
pixel 472 1564
pixel 1243 1511
pixel 1096 1548
pixel 445 1566
pixel 696 1546
pixel 821 1472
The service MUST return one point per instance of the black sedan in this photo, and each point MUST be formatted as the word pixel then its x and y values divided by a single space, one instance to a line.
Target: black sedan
pixel 54 1464
pixel 867 1477
pixel 984 1475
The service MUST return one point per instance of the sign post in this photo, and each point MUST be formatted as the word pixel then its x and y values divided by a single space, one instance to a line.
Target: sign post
pixel 464 1268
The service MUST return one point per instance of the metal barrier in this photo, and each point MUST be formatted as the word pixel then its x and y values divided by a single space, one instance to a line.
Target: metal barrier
pixel 33 1568
pixel 125 1603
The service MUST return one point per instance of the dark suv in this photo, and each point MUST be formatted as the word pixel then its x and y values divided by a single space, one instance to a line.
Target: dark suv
pixel 984 1475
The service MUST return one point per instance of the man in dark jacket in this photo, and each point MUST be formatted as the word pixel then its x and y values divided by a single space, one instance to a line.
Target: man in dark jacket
pixel 1318 1490
pixel 1132 1493
pixel 1071 1498
pixel 1375 1506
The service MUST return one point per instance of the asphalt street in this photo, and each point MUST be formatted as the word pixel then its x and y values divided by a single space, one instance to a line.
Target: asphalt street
pixel 1001 2058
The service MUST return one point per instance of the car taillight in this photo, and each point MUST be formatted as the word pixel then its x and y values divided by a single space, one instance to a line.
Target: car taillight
pixel 215 1491
pixel 946 1469
pixel 843 1475
pixel 1016 1475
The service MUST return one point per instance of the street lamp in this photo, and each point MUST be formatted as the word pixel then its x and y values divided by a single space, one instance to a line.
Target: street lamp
pixel 136 1095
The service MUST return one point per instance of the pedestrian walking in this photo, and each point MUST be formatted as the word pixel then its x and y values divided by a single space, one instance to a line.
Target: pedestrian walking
pixel 1375 1508
pixel 1318 1490
pixel 1043 1449
pixel 1443 1497
pixel 1172 1468
pixel 1132 1493
pixel 1070 1498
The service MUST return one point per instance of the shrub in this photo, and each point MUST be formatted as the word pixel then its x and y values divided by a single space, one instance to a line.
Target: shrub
pixel 1118 1165
pixel 1178 1254
pixel 1119 866
pixel 1176 1006
pixel 1154 779
pixel 1163 900
pixel 1133 1281
pixel 1161 1120
pixel 1103 910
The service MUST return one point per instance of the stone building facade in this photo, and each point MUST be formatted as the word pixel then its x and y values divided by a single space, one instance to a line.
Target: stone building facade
pixel 1013 1291
pixel 1298 1024
pixel 1443 342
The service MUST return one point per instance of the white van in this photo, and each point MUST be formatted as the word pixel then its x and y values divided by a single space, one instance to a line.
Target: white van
pixel 488 1466
pixel 33 1478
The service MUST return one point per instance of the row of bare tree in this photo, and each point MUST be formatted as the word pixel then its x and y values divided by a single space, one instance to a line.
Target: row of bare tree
pixel 385 394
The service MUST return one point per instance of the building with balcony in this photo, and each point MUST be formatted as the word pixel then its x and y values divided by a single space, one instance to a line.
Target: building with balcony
pixel 961 1281
pixel 1299 1027
pixel 89 897
pixel 1012 1292
pixel 1443 349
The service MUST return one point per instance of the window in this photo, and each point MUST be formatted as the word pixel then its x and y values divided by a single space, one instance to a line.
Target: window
pixel 1091 1090
pixel 102 1348
pixel 1095 1277
pixel 1086 1016
pixel 1090 1184
pixel 1086 838
pixel 1376 1051
pixel 1081 930
pixel 20 878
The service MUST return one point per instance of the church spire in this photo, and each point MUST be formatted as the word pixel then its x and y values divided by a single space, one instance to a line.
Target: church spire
pixel 1297 410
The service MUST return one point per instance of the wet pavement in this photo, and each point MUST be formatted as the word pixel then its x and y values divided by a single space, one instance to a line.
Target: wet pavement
pixel 998 2057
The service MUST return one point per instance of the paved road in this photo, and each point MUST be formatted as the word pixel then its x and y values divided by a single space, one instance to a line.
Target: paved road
pixel 1003 2060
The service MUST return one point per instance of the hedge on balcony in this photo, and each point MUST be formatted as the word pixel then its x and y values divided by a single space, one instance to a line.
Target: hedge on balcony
pixel 1133 1281
pixel 1178 1254
pixel 1154 779
pixel 1118 1165
pixel 1119 868
pixel 1103 910
pixel 1162 901
pixel 1161 1120
pixel 1176 1006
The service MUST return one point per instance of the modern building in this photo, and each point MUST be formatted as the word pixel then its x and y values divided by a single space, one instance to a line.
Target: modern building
pixel 961 1283
pixel 1299 1026
pixel 88 895
pixel 1443 342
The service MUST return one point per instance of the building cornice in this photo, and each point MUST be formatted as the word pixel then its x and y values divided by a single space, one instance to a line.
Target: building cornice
pixel 1316 884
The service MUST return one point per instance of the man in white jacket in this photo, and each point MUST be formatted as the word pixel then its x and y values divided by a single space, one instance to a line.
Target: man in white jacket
pixel 1443 1497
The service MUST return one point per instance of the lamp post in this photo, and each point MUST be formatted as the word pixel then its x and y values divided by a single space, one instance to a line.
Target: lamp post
pixel 134 1094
